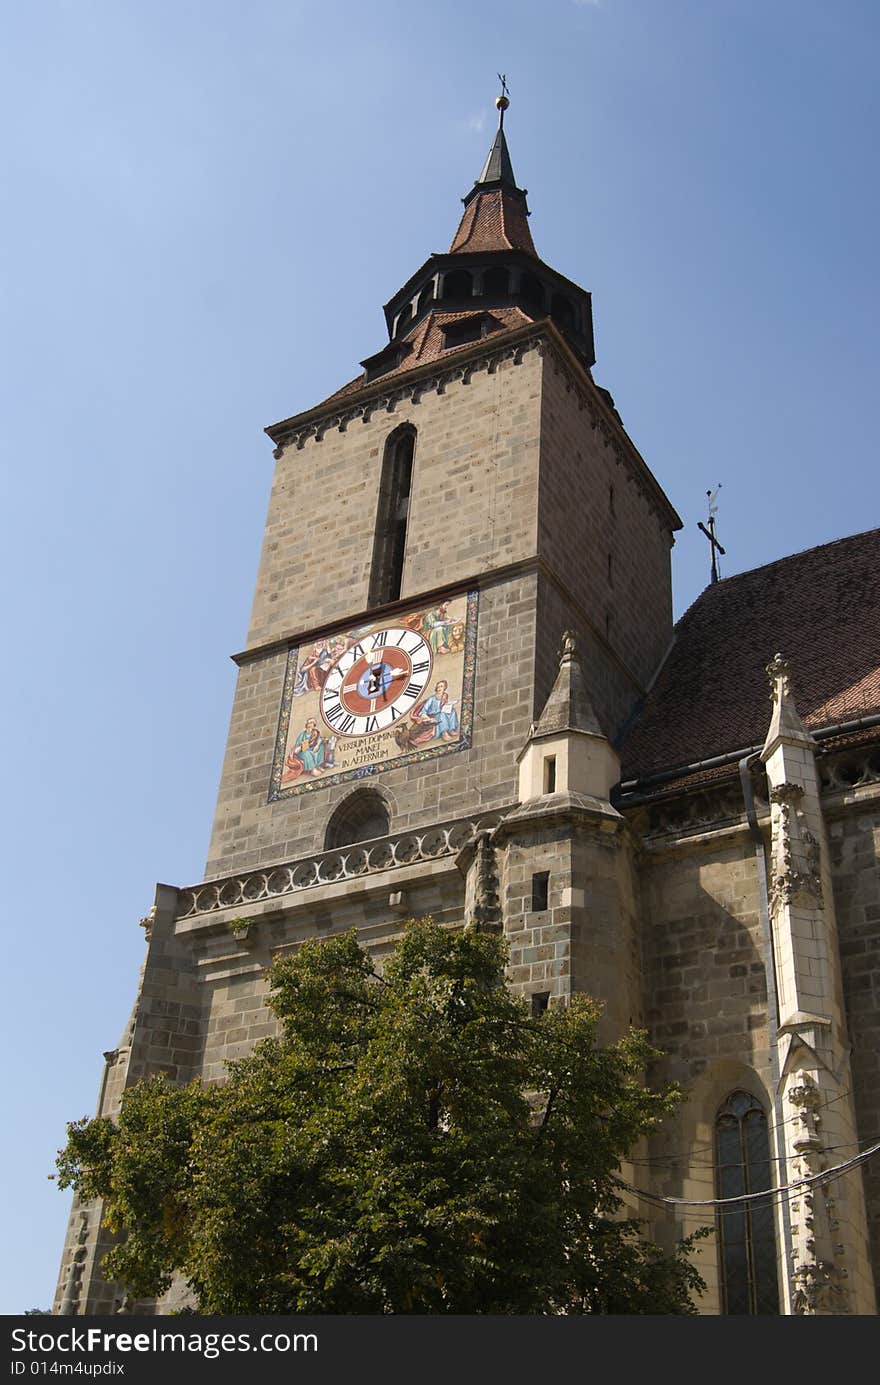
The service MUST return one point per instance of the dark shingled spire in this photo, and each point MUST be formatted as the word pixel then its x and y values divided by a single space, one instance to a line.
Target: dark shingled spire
pixel 497 168
pixel 568 708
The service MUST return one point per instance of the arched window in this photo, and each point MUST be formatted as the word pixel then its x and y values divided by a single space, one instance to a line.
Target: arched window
pixel 562 311
pixel 496 283
pixel 392 514
pixel 746 1231
pixel 359 818
pixel 426 296
pixel 531 291
pixel 404 318
pixel 458 284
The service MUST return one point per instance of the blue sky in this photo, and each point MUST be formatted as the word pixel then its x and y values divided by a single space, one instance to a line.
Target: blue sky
pixel 204 207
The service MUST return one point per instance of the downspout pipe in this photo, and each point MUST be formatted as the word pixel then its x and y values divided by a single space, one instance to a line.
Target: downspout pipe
pixel 772 1014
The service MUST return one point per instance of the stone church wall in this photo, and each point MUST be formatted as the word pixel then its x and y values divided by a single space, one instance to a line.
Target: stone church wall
pixel 250 831
pixel 593 509
pixel 472 508
pixel 854 842
pixel 706 1009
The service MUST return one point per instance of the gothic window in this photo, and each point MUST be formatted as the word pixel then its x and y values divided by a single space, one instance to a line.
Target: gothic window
pixel 392 515
pixel 359 818
pixel 746 1231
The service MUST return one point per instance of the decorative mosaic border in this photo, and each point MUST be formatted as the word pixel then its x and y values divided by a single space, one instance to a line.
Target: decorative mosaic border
pixel 277 791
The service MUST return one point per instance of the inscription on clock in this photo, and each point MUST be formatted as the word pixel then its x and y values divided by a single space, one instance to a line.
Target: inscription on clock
pixel 377 696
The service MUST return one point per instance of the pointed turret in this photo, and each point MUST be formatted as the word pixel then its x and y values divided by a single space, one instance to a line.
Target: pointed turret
pixel 568 708
pixel 567 751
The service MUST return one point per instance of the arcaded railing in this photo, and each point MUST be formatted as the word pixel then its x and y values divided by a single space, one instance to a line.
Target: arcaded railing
pixel 327 867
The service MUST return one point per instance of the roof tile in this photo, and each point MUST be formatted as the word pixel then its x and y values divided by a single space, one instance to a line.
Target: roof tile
pixel 820 609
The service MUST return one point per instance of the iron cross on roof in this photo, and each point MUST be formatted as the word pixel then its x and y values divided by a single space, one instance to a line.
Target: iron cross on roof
pixel 502 101
pixel 714 546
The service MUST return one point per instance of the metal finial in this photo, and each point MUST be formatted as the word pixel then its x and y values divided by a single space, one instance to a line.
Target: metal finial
pixel 502 102
pixel 714 545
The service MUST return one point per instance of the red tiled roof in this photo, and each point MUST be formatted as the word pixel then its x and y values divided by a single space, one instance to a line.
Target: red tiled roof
pixel 495 220
pixel 426 344
pixel 819 609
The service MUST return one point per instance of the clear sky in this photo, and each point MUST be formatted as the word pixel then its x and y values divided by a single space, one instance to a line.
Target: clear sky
pixel 204 206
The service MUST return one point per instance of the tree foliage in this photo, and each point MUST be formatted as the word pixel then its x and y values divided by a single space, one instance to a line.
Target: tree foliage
pixel 413 1142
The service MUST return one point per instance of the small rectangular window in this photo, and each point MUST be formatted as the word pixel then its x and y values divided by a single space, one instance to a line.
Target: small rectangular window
pixel 549 773
pixel 463 331
pixel 540 1002
pixel 540 891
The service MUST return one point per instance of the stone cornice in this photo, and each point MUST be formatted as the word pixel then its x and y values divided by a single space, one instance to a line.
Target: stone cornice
pixel 409 386
pixel 433 377
pixel 479 581
pixel 561 809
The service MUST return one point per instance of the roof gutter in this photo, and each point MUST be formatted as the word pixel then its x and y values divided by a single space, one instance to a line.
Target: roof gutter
pixel 821 733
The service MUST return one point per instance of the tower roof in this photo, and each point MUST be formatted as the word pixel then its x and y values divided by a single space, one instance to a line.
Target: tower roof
pixel 497 168
pixel 495 213
pixel 568 708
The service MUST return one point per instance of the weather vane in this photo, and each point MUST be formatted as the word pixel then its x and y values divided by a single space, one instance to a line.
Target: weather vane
pixel 714 546
pixel 502 101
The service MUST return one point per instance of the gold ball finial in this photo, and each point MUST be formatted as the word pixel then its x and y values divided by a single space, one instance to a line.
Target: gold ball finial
pixel 501 103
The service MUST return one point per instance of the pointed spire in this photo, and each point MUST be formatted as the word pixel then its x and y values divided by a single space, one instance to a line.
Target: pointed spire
pixel 495 213
pixel 497 171
pixel 497 168
pixel 568 708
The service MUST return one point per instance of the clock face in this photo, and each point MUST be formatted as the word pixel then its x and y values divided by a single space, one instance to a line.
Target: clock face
pixel 376 682
pixel 383 694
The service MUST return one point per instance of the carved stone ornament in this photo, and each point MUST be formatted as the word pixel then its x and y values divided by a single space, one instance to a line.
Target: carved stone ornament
pixel 486 912
pixel 796 876
pixel 807 1098
pixel 779 671
pixel 147 922
pixel 817 1289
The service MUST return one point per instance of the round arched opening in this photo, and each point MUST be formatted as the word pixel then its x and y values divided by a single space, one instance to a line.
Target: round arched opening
pixel 359 818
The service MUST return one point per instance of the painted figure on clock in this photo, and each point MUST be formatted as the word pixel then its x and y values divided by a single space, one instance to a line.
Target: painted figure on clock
pixel 365 700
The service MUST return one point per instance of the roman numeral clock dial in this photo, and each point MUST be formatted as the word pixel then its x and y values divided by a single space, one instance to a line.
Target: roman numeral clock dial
pixel 376 682
pixel 377 696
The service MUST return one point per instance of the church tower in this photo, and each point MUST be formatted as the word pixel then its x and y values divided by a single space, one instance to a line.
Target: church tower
pixel 463 597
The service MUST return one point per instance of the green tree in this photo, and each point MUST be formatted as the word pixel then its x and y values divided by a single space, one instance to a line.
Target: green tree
pixel 413 1142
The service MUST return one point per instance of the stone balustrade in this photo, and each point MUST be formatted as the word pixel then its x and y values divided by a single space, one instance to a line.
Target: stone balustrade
pixel 329 867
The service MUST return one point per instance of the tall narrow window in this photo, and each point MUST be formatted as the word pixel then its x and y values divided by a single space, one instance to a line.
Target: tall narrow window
pixel 392 515
pixel 540 891
pixel 746 1232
